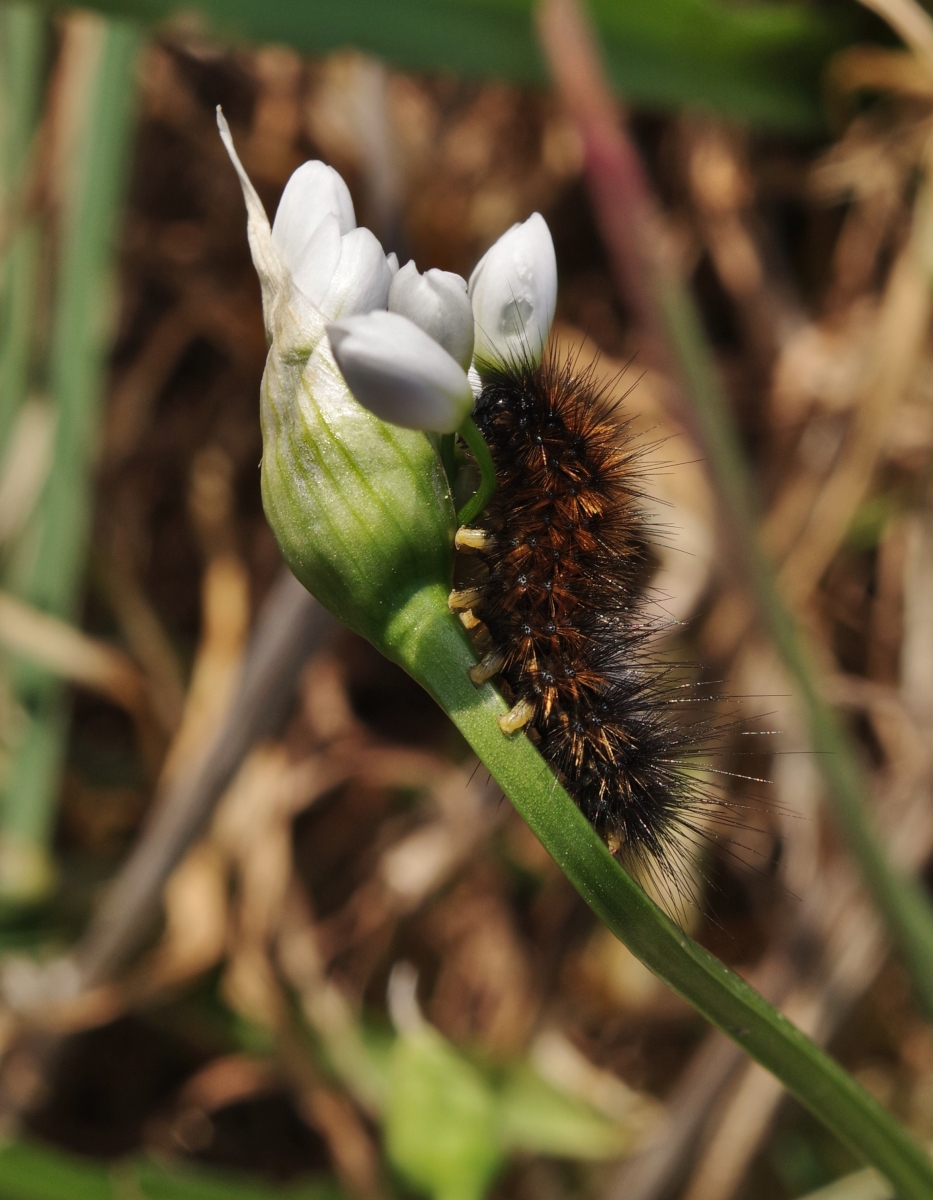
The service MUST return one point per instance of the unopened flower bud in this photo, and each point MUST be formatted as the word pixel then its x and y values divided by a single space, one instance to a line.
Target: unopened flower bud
pixel 361 279
pixel 438 303
pixel 514 291
pixel 315 191
pixel 400 373
pixel 361 510
pixel 340 268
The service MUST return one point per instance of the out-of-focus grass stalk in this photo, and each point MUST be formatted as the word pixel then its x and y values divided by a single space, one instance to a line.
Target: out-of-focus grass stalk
pixel 22 48
pixel 861 1185
pixel 628 219
pixel 34 1171
pixel 50 565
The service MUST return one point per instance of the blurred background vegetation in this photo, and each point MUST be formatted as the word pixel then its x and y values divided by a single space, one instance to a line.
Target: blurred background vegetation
pixel 265 930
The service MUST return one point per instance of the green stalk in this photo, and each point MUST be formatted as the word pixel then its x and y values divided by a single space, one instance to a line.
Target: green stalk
pixel 476 444
pixel 902 900
pixel 22 50
pixel 431 644
pixel 51 564
pixel 627 214
pixel 862 1185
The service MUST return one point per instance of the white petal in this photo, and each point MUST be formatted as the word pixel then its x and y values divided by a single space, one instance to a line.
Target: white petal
pixel 362 278
pixel 315 270
pixel 437 302
pixel 514 292
pixel 401 374
pixel 392 262
pixel 315 191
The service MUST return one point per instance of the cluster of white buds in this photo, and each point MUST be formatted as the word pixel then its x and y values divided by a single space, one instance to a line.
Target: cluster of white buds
pixel 366 363
pixel 409 364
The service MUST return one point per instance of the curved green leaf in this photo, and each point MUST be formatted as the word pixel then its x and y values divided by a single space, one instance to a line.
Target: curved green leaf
pixel 759 63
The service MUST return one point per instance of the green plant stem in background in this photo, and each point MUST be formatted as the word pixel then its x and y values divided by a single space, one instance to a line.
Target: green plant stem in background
pixel 628 218
pixel 29 1171
pixel 861 1185
pixel 22 52
pixel 431 644
pixel 902 900
pixel 50 565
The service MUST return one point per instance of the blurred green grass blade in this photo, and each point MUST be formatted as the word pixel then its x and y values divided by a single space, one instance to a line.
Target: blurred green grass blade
pixel 22 53
pixel 81 329
pixel 760 63
pixel 536 1118
pixel 757 62
pixel 861 1185
pixel 29 1171
pixel 441 1124
pixel 50 563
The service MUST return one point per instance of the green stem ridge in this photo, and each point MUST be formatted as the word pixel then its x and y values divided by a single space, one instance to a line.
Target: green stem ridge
pixel 430 643
pixel 476 444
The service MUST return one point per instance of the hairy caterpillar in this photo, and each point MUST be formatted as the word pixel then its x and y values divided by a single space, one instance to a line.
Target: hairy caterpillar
pixel 557 606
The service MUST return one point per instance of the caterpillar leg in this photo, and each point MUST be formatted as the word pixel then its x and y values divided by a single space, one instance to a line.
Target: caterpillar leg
pixel 487 667
pixel 517 717
pixel 464 598
pixel 473 539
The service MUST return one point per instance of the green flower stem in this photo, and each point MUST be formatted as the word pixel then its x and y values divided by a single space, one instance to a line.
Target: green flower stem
pixel 447 449
pixel 426 639
pixel 900 897
pixel 476 444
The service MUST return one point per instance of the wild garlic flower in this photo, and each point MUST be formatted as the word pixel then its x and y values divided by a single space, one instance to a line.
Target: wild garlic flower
pixel 503 316
pixel 340 268
pixel 361 510
pixel 364 361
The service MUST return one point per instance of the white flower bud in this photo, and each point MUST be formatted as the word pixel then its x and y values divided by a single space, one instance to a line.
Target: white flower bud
pixel 315 191
pixel 361 280
pixel 400 373
pixel 514 290
pixel 438 303
pixel 341 269
pixel 314 269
